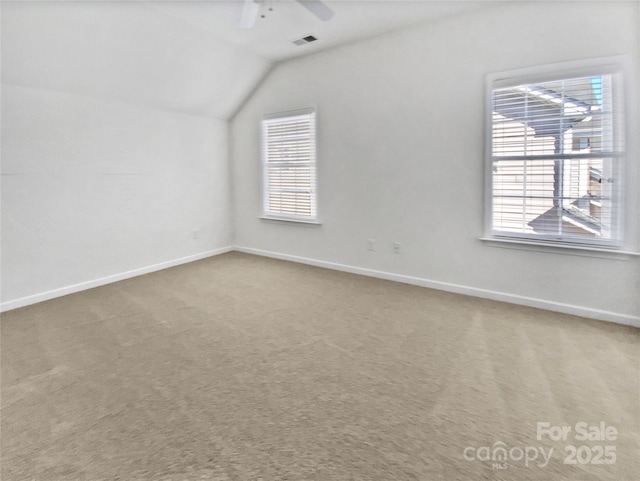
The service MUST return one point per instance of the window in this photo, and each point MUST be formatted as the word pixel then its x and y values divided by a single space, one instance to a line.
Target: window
pixel 555 156
pixel 289 166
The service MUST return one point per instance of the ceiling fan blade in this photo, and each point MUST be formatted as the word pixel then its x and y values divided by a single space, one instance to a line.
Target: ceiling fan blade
pixel 250 12
pixel 318 8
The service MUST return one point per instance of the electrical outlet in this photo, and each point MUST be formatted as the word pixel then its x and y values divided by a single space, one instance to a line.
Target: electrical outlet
pixel 195 234
pixel 396 247
pixel 371 244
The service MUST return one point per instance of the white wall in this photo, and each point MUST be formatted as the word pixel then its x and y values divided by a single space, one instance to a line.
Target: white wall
pixel 103 176
pixel 93 188
pixel 400 149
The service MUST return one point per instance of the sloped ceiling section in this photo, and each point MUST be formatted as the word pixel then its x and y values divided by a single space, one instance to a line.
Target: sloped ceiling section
pixel 129 51
pixel 182 55
pixel 281 22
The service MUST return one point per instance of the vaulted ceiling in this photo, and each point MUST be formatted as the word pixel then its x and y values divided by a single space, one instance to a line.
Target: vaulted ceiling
pixel 186 56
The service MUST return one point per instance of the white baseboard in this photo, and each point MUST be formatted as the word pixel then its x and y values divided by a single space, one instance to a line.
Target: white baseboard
pixel 581 311
pixel 82 286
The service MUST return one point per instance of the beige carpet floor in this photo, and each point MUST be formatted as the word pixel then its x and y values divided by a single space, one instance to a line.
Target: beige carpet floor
pixel 244 368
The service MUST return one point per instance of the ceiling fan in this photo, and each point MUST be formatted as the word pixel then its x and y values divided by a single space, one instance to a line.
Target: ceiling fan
pixel 251 10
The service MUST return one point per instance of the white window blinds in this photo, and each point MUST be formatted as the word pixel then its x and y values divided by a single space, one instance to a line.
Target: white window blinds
pixel 289 166
pixel 556 154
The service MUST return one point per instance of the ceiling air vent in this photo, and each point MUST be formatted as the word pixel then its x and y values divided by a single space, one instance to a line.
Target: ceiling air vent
pixel 305 40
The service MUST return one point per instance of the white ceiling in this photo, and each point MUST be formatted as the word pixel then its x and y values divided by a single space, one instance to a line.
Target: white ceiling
pixel 272 36
pixel 184 55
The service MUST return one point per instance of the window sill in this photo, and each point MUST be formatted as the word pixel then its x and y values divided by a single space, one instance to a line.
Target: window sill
pixel 288 220
pixel 553 248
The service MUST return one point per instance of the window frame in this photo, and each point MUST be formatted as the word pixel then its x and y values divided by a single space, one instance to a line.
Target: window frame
pixel 313 191
pixel 617 67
